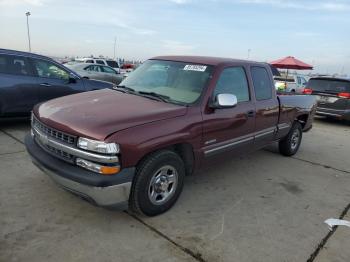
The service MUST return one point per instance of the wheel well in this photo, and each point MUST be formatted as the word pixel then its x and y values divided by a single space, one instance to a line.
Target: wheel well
pixel 302 119
pixel 184 150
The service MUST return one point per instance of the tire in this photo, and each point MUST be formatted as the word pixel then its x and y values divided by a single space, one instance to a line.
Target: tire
pixel 158 183
pixel 289 145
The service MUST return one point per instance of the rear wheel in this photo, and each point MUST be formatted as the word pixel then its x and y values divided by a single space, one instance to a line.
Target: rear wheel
pixel 289 145
pixel 158 183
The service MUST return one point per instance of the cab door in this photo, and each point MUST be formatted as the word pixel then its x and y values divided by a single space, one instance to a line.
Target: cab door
pixel 55 81
pixel 267 106
pixel 230 130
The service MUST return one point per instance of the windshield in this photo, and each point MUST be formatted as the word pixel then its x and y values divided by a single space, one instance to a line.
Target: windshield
pixel 329 85
pixel 181 82
pixel 112 63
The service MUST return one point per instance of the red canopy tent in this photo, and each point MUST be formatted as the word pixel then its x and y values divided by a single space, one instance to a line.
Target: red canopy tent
pixel 291 62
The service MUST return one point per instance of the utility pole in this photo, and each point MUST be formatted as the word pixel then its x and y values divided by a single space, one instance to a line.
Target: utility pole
pixel 249 50
pixel 28 14
pixel 115 44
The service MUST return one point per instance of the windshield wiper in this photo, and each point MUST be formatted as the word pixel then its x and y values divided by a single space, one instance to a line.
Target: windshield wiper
pixel 163 98
pixel 125 88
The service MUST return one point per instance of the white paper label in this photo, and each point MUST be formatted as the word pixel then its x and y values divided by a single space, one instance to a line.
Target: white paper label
pixel 200 68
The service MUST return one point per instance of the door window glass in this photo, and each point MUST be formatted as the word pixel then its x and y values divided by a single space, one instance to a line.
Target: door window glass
pixel 109 70
pixel 233 80
pixel 89 61
pixel 262 83
pixel 101 62
pixel 94 68
pixel 49 70
pixel 16 65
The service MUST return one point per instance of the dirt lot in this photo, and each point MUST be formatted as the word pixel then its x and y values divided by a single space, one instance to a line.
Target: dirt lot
pixel 261 207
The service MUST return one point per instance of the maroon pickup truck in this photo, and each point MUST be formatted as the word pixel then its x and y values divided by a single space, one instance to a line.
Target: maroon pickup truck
pixel 133 146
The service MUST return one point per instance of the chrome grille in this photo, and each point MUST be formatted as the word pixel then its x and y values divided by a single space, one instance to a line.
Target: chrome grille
pixel 69 139
pixel 60 153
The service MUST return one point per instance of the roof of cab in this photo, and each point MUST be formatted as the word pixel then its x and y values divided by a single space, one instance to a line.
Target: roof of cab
pixel 207 60
pixel 22 53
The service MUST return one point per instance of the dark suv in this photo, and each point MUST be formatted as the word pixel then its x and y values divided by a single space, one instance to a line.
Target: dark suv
pixel 333 96
pixel 27 79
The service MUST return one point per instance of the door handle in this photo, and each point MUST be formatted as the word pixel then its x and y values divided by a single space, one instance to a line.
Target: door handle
pixel 45 84
pixel 251 113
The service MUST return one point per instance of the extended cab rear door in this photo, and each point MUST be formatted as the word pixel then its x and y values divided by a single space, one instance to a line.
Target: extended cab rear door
pixel 266 104
pixel 230 129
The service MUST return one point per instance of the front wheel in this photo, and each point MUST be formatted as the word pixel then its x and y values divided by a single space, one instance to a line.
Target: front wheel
pixel 158 183
pixel 289 145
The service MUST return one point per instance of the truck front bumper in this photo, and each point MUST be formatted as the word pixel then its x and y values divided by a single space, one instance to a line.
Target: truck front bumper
pixel 107 191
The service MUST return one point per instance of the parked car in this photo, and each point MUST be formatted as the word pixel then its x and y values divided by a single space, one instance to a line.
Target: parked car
pixel 175 114
pixel 101 61
pixel 27 79
pixel 294 84
pixel 333 96
pixel 97 72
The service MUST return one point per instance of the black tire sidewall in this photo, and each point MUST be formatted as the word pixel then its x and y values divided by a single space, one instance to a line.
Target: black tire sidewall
pixel 286 144
pixel 144 176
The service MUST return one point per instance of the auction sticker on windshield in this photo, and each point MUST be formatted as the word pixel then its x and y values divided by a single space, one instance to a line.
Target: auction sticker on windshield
pixel 200 68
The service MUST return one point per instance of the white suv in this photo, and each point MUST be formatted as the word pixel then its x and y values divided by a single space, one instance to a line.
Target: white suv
pixel 102 61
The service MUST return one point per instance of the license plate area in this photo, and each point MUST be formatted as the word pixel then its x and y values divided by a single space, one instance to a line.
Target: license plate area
pixel 326 99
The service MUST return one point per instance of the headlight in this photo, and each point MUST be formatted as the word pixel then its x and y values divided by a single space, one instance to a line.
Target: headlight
pixel 98 146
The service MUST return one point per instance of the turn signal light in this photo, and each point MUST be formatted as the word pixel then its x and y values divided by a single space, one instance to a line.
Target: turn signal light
pixel 307 91
pixel 109 170
pixel 103 170
pixel 344 95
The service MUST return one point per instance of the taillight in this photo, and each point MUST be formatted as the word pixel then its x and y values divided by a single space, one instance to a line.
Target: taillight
pixel 344 95
pixel 307 91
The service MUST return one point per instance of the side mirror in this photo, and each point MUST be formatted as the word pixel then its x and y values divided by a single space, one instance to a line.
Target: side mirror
pixel 224 101
pixel 72 80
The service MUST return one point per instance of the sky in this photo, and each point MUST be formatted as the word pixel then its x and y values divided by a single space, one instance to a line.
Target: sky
pixel 315 31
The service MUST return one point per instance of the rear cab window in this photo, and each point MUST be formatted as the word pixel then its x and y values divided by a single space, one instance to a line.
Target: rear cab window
pixel 262 83
pixel 233 80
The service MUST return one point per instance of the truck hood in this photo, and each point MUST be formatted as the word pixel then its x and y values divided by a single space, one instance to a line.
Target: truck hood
pixel 98 114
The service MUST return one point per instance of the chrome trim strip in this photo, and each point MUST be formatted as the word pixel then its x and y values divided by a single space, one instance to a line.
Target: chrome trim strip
pixel 327 114
pixel 331 109
pixel 241 139
pixel 264 134
pixel 283 126
pixel 228 145
pixel 44 139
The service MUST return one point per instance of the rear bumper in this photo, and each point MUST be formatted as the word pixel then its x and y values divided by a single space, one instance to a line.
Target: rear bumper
pixel 336 113
pixel 107 191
